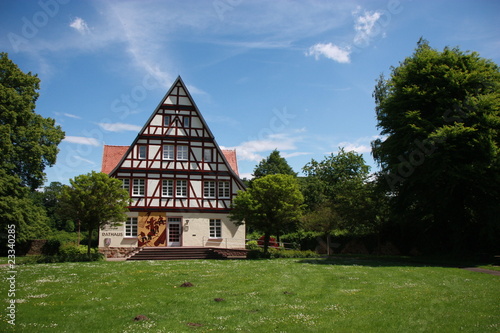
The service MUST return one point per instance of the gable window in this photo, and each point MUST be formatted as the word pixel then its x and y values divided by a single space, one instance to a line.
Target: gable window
pixel 166 121
pixel 143 151
pixel 215 228
pixel 181 188
pixel 131 227
pixel 186 121
pixel 168 152
pixel 167 189
pixel 224 189
pixel 209 189
pixel 126 184
pixel 138 187
pixel 207 155
pixel 182 153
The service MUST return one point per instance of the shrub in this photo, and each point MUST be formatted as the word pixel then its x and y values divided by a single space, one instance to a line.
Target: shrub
pixel 51 247
pixel 252 245
pixel 280 253
pixel 302 240
pixel 71 249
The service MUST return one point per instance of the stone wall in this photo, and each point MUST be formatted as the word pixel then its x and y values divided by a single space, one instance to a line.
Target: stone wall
pixel 118 252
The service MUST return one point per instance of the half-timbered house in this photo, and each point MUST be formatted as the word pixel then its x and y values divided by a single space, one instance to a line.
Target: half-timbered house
pixel 180 181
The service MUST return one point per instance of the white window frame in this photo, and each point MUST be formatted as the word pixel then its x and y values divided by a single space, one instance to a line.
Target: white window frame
pixel 168 152
pixel 209 189
pixel 130 228
pixel 186 121
pixel 138 187
pixel 182 153
pixel 181 188
pixel 167 188
pixel 224 189
pixel 215 228
pixel 142 152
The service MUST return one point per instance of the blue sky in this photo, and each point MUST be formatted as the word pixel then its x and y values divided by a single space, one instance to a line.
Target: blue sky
pixel 296 76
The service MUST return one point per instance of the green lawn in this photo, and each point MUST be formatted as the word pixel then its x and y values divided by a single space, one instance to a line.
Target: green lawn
pixel 281 295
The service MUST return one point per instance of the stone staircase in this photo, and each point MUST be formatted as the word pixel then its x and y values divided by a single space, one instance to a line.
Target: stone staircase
pixel 186 253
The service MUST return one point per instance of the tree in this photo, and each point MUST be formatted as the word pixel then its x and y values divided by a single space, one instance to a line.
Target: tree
pixel 272 205
pixel 17 208
pixel 323 219
pixel 49 199
pixel 272 165
pixel 28 145
pixel 343 180
pixel 95 200
pixel 439 115
pixel 29 141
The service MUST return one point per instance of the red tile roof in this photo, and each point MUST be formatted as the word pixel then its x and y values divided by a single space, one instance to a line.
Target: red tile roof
pixel 230 156
pixel 113 154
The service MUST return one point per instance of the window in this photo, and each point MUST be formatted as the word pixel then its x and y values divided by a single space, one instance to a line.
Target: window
pixel 182 153
pixel 166 121
pixel 181 189
pixel 168 152
pixel 215 228
pixel 126 184
pixel 207 155
pixel 138 187
pixel 131 227
pixel 167 188
pixel 209 189
pixel 143 150
pixel 224 189
pixel 186 121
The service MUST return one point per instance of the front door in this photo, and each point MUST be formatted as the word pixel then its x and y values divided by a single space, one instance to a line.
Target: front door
pixel 174 231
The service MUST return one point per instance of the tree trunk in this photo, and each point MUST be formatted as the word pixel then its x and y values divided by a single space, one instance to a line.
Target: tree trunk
pixel 267 237
pixel 328 243
pixel 90 241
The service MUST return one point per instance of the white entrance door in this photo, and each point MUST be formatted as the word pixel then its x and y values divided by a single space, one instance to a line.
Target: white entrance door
pixel 174 231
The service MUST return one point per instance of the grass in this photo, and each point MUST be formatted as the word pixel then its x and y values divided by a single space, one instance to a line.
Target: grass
pixel 279 295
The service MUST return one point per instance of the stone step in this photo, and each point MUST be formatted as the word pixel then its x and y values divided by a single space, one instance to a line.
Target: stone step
pixel 166 253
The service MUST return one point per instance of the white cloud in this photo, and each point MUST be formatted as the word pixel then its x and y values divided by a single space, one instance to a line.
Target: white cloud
pixel 250 150
pixel 365 26
pixel 119 127
pixel 357 147
pixel 69 115
pixel 360 145
pixel 82 140
pixel 330 51
pixel 80 25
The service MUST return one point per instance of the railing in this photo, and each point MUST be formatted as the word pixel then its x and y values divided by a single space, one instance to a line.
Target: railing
pixel 280 244
pixel 223 242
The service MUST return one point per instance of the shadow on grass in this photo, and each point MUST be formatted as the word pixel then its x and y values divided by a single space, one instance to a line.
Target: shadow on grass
pixel 399 261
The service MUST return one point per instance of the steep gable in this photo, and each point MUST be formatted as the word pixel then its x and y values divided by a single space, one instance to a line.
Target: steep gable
pixel 174 164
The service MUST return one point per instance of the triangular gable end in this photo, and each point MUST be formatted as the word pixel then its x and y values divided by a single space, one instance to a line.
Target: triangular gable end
pixel 176 121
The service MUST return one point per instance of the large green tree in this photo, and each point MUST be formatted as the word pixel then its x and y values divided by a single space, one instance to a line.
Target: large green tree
pixel 342 180
pixel 439 116
pixel 29 141
pixel 28 144
pixel 273 205
pixel 94 200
